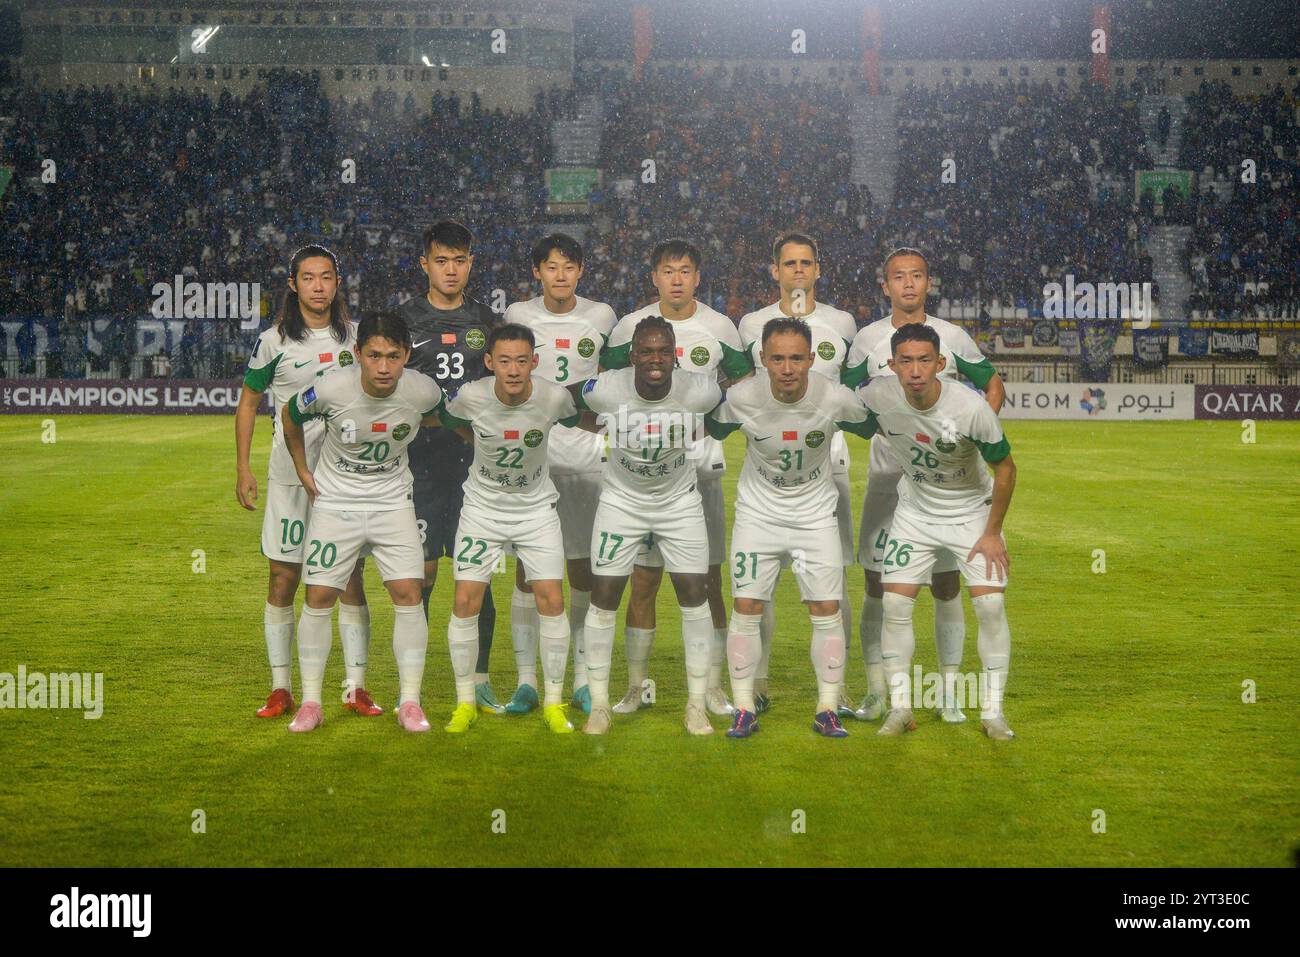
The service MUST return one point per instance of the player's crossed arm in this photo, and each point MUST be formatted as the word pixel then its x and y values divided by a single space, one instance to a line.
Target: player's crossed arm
pixel 441 418
pixel 587 420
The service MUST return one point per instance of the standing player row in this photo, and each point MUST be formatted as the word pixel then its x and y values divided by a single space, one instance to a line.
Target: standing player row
pixel 573 334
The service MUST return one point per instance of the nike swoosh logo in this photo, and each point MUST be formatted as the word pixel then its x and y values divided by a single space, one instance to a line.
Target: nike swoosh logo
pixel 464 568
pixel 420 343
pixel 483 435
pixel 894 433
pixel 883 365
pixel 600 564
pixel 286 551
pixel 312 571
pixel 762 438
pixel 299 365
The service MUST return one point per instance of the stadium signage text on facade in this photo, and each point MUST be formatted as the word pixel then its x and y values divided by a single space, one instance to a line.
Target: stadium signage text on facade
pixel 127 396
pixel 1248 401
pixel 284 18
pixel 1098 400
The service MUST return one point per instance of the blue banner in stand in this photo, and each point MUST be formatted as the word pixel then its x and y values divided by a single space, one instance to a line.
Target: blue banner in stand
pixel 1150 348
pixel 1194 342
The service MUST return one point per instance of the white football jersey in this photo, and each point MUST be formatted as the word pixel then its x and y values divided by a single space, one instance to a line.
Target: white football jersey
pixel 284 368
pixel 569 346
pixel 652 445
pixel 869 357
pixel 833 331
pixel 509 476
pixel 362 465
pixel 706 342
pixel 786 479
pixel 942 449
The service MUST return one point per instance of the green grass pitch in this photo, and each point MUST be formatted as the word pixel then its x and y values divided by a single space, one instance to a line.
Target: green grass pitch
pixel 1126 687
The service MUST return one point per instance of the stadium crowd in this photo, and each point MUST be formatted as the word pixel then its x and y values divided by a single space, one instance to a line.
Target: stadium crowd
pixel 151 186
pixel 1244 250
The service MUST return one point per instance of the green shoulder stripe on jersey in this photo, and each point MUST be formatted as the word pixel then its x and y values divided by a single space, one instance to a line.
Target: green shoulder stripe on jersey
pixel 978 372
pixel 297 414
pixel 863 430
pixel 736 363
pixel 259 380
pixel 854 376
pixel 616 357
pixel 448 420
pixel 579 392
pixel 993 452
pixel 571 421
pixel 719 430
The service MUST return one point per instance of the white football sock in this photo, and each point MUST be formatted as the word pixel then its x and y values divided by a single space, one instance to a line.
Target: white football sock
pixel 637 642
pixel 523 634
pixel 828 659
pixel 994 649
pixel 579 601
pixel 717 655
pixel 766 629
pixel 744 649
pixel 897 646
pixel 599 632
pixel 697 636
pixel 315 632
pixel 846 620
pixel 871 623
pixel 462 642
pixel 410 645
pixel 554 630
pixel 949 630
pixel 354 635
pixel 277 625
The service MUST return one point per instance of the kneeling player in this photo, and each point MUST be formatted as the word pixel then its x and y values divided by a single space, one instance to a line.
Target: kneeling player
pixel 786 502
pixel 361 503
pixel 650 494
pixel 510 501
pixel 947 505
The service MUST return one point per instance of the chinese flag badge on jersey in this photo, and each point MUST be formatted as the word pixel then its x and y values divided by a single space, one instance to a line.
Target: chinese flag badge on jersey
pixel 652 428
pixel 378 426
pixel 561 343
pixel 679 352
pixel 449 338
pixel 512 433
pixel 789 436
pixel 922 438
pixel 326 357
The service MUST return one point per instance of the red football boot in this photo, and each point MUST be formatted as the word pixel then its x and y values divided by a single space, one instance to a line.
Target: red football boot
pixel 363 704
pixel 279 702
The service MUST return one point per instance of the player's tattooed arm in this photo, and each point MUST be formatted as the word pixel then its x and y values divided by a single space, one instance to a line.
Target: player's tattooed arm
pixel 295 442
pixel 991 544
pixel 245 421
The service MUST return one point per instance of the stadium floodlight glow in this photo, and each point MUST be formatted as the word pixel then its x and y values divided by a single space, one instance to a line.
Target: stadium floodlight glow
pixel 426 61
